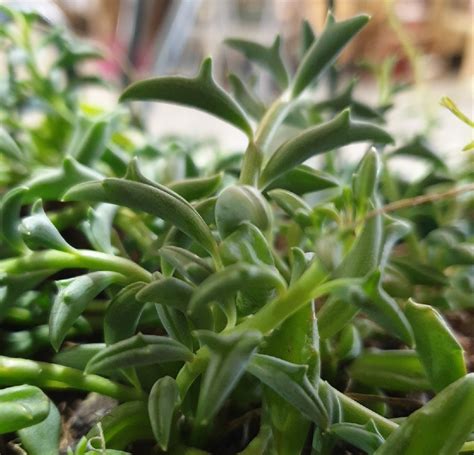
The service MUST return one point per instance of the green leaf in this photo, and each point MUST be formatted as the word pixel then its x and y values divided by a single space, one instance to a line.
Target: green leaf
pixel 139 350
pixel 365 437
pixel 365 180
pixel 188 264
pixel 10 218
pixel 178 326
pixel 124 424
pixel 9 147
pixel 307 37
pixel 419 148
pixel 440 427
pixel 123 314
pixel 340 131
pixel 74 294
pixel 43 438
pixel 290 381
pixel 303 179
pixel 167 291
pixel 162 405
pixel 196 188
pixel 324 51
pixel 98 227
pixel 157 200
pixel 21 407
pixel 92 142
pixel 200 92
pixel 229 356
pixel 248 100
pixel 51 184
pixel 77 356
pixel 268 58
pixel 39 232
pixel 440 352
pixel 246 244
pixel 390 370
pixel 295 207
pixel 417 273
pixel 451 105
pixel 238 204
pixel 226 283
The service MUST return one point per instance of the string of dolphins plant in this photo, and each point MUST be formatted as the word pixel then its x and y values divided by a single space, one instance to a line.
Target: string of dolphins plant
pixel 233 274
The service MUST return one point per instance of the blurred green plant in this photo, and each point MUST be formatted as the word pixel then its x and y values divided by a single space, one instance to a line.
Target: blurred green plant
pixel 239 306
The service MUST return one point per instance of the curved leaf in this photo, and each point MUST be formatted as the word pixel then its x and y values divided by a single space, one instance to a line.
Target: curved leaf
pixel 22 406
pixel 324 51
pixel 157 200
pixel 340 131
pixel 196 188
pixel 74 294
pixel 268 58
pixel 200 92
pixel 439 350
pixel 162 405
pixel 444 423
pixel 229 357
pixel 188 264
pixel 9 147
pixel 168 291
pixel 10 218
pixel 250 103
pixel 139 350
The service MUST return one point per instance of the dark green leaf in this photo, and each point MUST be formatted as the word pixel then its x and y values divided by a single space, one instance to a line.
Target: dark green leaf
pixel 200 92
pixel 39 232
pixel 21 407
pixel 98 227
pixel 290 381
pixel 139 350
pixel 340 131
pixel 440 427
pixel 229 357
pixel 303 179
pixel 157 200
pixel 266 57
pixel 162 405
pixel 364 437
pixel 168 291
pixel 324 51
pixel 43 438
pixel 74 294
pixel 390 370
pixel 92 142
pixel 188 264
pixel 249 102
pixel 10 218
pixel 439 350
pixel 123 313
pixel 196 188
pixel 307 37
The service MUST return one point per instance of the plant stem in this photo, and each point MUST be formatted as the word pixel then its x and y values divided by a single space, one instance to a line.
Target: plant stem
pixel 253 157
pixel 49 375
pixel 87 259
pixel 191 370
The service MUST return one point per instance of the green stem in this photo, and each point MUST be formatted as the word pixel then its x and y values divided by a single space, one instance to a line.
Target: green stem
pixel 49 375
pixel 191 370
pixel 253 157
pixel 86 259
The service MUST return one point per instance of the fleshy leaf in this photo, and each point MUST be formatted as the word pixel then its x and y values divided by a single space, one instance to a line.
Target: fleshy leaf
pixel 196 188
pixel 21 407
pixel 303 179
pixel 340 131
pixel 200 92
pixel 74 294
pixel 445 423
pixel 139 350
pixel 123 313
pixel 10 218
pixel 157 200
pixel 39 232
pixel 290 381
pixel 188 264
pixel 43 438
pixel 439 350
pixel 324 51
pixel 168 291
pixel 364 437
pixel 248 100
pixel 266 57
pixel 162 405
pixel 9 147
pixel 98 227
pixel 229 357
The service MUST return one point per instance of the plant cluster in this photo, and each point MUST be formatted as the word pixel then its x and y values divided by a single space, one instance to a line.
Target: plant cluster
pixel 254 305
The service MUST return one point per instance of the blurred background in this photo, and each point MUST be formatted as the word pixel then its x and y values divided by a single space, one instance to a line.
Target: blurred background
pixel 427 45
